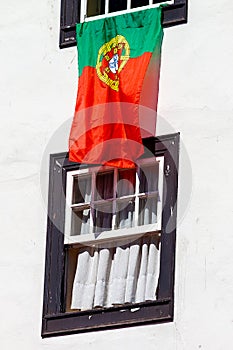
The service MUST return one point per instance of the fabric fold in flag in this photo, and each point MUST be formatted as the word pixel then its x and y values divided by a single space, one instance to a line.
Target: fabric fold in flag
pixel 119 64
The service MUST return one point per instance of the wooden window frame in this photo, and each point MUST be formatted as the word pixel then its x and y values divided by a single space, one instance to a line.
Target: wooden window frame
pixel 55 321
pixel 172 15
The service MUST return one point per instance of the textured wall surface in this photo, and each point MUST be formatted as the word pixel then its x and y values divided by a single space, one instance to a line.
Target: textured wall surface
pixel 37 92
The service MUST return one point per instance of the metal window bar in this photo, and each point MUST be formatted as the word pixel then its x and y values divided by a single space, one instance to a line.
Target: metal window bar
pixel 128 4
pixel 106 7
pixel 83 10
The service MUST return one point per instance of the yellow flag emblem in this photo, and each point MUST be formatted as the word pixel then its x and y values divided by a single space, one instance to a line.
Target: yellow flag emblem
pixel 112 58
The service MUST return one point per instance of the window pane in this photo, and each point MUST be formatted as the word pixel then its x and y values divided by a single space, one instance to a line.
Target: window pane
pixel 126 182
pixel 148 211
pixel 104 185
pixel 125 216
pixel 80 224
pixel 103 218
pixel 82 189
pixel 117 5
pixel 149 178
pixel 138 3
pixel 95 7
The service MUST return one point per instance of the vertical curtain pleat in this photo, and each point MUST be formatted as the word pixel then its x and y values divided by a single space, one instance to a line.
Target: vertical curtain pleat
pixel 87 190
pixel 89 290
pixel 153 210
pixel 152 275
pixel 85 280
pixel 102 276
pixel 141 283
pixel 149 183
pixel 126 214
pixel 149 211
pixel 119 275
pixel 126 183
pixel 104 185
pixel 149 178
pixel 85 225
pixel 79 280
pixel 133 268
pixel 110 276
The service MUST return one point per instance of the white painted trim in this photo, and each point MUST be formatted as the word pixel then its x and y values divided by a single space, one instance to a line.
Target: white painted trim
pixel 115 233
pixel 83 10
pixel 137 199
pixel 106 7
pixel 114 198
pixel 160 190
pixel 68 209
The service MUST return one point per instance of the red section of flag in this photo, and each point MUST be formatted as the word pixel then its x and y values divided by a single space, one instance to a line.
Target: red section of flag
pixel 94 124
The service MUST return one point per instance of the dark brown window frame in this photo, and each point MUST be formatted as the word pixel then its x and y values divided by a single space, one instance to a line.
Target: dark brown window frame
pixel 70 13
pixel 58 322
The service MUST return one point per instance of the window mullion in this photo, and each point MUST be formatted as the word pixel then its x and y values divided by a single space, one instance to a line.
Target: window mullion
pixel 106 7
pixel 93 191
pixel 137 198
pixel 160 192
pixel 68 209
pixel 114 199
pixel 83 10
pixel 128 4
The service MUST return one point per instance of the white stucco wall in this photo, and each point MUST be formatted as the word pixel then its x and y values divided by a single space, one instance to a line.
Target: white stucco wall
pixel 38 90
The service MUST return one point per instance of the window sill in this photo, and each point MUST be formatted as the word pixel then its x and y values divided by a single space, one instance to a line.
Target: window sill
pixel 112 317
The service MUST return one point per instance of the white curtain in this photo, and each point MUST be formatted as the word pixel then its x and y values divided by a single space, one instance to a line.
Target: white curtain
pixel 104 185
pixel 126 214
pixel 148 211
pixel 111 276
pixel 149 178
pixel 82 194
pixel 148 205
pixel 82 189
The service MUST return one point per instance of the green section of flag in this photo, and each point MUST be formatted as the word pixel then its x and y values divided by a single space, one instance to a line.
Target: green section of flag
pixel 142 30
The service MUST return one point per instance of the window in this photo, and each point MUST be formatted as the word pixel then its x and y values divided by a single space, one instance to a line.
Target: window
pixel 107 202
pixel 111 242
pixel 75 11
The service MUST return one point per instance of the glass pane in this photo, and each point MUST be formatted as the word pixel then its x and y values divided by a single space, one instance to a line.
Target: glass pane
pixel 118 5
pixel 103 218
pixel 148 211
pixel 82 189
pixel 125 216
pixel 104 185
pixel 126 182
pixel 149 178
pixel 80 224
pixel 138 3
pixel 95 7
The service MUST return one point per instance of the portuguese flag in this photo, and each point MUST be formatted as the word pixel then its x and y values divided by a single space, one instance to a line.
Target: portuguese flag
pixel 119 64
